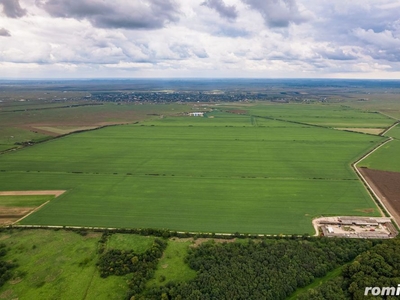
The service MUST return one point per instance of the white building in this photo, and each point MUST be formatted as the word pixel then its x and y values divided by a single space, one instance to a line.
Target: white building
pixel 196 114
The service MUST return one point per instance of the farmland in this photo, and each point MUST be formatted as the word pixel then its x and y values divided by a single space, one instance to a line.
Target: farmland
pixel 31 122
pixel 385 158
pixel 221 173
pixel 265 159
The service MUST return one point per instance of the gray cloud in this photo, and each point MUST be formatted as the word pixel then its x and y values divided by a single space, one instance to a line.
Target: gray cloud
pixel 371 28
pixel 149 14
pixel 336 54
pixel 339 22
pixel 4 32
pixel 185 51
pixel 278 13
pixel 225 11
pixel 12 8
pixel 379 45
pixel 231 32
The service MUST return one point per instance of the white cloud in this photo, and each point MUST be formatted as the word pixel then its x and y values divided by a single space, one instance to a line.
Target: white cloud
pixel 212 38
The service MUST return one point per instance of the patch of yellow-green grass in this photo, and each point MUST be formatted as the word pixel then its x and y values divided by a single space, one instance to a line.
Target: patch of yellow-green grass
pixel 137 243
pixel 172 266
pixel 24 201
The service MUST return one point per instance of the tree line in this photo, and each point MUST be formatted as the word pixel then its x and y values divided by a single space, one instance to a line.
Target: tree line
pixel 267 269
pixel 377 267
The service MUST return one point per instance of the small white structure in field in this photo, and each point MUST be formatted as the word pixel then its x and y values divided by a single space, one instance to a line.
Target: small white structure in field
pixel 196 114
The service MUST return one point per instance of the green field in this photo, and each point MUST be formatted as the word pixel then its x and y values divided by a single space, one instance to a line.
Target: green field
pixel 25 121
pixel 394 132
pixel 221 173
pixel 336 116
pixel 385 158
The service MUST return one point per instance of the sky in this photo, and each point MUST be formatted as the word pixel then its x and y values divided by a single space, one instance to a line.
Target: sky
pixel 200 38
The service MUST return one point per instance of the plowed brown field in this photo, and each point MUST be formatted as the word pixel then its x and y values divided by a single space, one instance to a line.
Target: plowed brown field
pixel 387 186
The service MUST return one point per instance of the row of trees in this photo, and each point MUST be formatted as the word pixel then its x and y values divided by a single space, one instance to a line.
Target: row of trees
pixel 267 269
pixel 163 233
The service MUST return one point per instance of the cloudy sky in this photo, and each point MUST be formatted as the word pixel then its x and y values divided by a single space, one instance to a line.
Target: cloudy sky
pixel 200 38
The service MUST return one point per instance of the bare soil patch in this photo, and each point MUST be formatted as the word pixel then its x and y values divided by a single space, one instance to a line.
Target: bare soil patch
pixel 39 130
pixel 9 215
pixel 375 131
pixel 27 193
pixel 387 186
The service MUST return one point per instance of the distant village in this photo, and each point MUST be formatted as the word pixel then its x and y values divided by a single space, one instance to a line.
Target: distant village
pixel 197 96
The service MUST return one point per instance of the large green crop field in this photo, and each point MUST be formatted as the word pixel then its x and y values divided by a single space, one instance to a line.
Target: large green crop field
pixel 386 158
pixel 220 173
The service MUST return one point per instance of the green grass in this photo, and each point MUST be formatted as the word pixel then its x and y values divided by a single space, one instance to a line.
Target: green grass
pixel 385 158
pixel 172 267
pixel 24 201
pixel 386 103
pixel 137 243
pixel 11 135
pixel 57 265
pixel 6 147
pixel 223 174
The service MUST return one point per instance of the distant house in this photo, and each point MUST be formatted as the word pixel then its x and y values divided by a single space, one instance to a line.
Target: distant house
pixel 196 114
